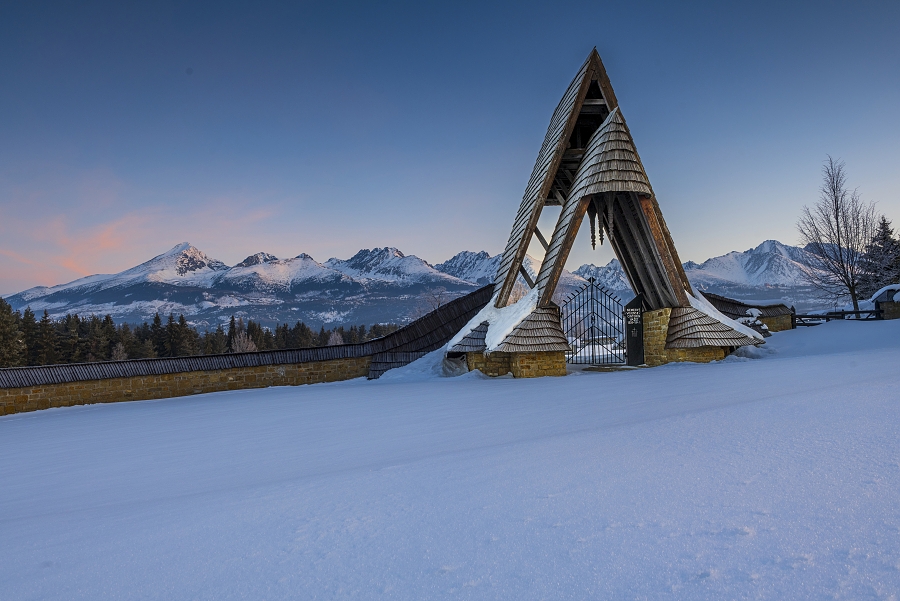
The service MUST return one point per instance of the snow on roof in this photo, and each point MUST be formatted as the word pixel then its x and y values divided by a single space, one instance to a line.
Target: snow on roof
pixel 704 306
pixel 501 321
pixel 894 287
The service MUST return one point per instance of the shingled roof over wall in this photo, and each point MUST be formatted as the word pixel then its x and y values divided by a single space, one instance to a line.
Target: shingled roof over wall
pixel 690 328
pixel 473 342
pixel 540 331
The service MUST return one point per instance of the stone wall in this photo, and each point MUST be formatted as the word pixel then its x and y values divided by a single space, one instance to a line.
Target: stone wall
pixel 538 364
pixel 520 365
pixel 777 323
pixel 891 310
pixel 656 328
pixel 111 390
pixel 490 364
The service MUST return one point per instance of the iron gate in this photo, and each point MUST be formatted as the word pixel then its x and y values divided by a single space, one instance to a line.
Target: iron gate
pixel 593 323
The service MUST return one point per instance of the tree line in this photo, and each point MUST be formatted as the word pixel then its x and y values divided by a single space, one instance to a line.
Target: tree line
pixel 26 340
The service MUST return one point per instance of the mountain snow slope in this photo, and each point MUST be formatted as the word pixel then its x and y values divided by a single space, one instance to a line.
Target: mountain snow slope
pixel 769 272
pixel 647 484
pixel 373 286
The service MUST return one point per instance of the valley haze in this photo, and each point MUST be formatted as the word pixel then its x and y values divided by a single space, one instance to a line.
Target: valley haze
pixel 379 285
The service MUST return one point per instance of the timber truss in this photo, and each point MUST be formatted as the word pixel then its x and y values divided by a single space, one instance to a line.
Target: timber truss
pixel 588 165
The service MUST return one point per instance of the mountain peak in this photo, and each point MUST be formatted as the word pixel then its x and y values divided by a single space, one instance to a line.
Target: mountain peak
pixel 257 259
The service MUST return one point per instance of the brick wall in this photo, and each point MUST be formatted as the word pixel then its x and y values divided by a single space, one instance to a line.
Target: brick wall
pixel 656 328
pixel 111 390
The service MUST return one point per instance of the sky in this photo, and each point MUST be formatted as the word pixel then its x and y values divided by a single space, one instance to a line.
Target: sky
pixel 324 128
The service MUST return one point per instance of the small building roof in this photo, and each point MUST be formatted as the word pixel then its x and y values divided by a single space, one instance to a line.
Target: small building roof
pixel 736 309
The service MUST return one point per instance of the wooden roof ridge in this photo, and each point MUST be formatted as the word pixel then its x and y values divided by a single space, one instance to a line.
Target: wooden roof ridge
pixel 541 330
pixel 692 328
pixel 545 168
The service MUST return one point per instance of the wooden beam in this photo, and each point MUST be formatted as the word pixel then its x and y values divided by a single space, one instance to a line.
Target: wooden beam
pixel 672 249
pixel 564 236
pixel 526 276
pixel 521 248
pixel 649 261
pixel 668 262
pixel 541 239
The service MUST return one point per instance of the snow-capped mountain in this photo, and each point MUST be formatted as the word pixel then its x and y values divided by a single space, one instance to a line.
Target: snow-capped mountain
pixel 390 265
pixel 610 276
pixel 771 271
pixel 769 264
pixel 374 286
pixel 479 267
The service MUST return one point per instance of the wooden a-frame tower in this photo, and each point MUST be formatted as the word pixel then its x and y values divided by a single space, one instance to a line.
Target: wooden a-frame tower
pixel 588 165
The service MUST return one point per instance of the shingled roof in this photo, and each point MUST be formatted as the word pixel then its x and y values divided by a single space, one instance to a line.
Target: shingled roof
pixel 690 328
pixel 473 342
pixel 540 331
pixel 736 309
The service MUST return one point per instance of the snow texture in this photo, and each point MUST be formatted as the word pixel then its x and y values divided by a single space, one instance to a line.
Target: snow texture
pixel 501 321
pixel 774 477
pixel 700 303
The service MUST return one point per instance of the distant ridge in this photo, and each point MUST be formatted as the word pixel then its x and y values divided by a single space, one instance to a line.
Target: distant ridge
pixel 373 286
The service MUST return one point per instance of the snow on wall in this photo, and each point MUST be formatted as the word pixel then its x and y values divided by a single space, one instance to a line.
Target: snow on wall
pixel 502 321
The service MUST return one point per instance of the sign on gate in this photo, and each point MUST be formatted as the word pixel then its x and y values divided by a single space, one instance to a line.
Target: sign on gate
pixel 634 331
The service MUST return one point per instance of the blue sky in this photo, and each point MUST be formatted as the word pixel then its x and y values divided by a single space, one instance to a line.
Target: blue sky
pixel 328 127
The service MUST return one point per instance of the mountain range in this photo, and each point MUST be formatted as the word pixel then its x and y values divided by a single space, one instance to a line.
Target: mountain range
pixel 373 286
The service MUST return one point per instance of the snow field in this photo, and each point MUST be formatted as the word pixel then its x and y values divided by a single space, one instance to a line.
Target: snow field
pixel 767 478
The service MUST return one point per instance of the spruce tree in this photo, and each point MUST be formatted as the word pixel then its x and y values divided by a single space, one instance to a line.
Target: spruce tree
pixel 46 341
pixel 30 335
pixel 158 336
pixel 881 265
pixel 232 332
pixel 12 343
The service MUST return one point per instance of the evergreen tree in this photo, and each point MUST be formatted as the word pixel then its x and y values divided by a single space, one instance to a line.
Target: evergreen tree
pixel 158 336
pixel 12 343
pixel 69 340
pixel 232 332
pixel 881 263
pixel 47 343
pixel 215 343
pixel 30 335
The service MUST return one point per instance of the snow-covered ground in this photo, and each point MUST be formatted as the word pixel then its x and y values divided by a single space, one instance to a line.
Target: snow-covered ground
pixel 768 478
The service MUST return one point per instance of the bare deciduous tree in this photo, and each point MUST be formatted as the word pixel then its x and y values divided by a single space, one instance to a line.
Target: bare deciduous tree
pixel 836 231
pixel 242 343
pixel 118 353
pixel 335 339
pixel 430 300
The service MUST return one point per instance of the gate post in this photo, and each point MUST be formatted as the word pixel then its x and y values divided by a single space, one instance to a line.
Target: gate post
pixel 634 331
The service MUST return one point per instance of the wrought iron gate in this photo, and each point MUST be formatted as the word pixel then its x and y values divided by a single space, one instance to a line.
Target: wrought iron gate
pixel 594 325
